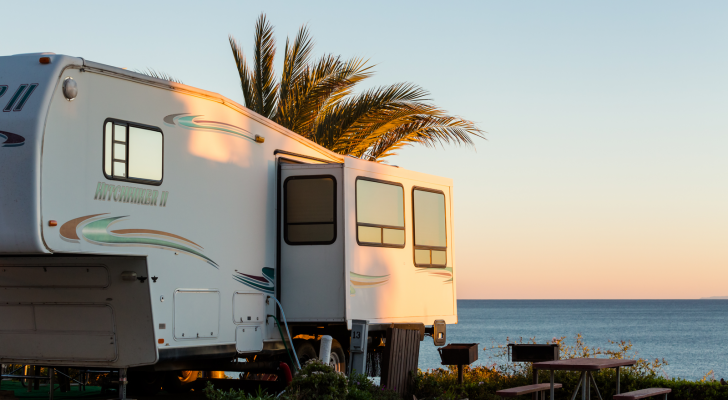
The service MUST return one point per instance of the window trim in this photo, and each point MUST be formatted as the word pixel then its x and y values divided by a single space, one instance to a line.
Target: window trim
pixel 285 212
pixel 128 124
pixel 358 224
pixel 416 247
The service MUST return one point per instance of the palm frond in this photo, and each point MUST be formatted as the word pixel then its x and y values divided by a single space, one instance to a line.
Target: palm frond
pixel 246 77
pixel 266 88
pixel 316 99
pixel 157 74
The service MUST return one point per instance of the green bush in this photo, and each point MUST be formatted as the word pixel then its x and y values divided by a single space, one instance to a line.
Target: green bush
pixel 216 394
pixel 317 380
pixel 482 382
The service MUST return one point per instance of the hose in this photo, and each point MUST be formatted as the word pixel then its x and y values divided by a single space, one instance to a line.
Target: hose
pixel 284 342
pixel 280 307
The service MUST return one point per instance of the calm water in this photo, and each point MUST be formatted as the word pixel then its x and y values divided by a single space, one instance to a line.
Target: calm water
pixel 692 335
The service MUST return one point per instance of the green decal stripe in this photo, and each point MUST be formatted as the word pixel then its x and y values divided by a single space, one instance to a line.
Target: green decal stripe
pixel 355 275
pixel 253 284
pixel 25 98
pixel 3 89
pixel 269 273
pixel 97 231
pixel 15 97
pixel 190 123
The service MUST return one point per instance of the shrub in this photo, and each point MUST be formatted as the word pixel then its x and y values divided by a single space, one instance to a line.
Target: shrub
pixel 317 380
pixel 216 394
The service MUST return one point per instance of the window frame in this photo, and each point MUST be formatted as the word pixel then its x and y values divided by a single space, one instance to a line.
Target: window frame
pixel 416 247
pixel 356 215
pixel 114 122
pixel 285 212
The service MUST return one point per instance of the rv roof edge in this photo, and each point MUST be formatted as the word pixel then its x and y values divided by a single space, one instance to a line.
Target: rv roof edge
pixel 92 66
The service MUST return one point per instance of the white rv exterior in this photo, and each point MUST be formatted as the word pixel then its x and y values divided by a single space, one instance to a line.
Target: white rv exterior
pixel 146 221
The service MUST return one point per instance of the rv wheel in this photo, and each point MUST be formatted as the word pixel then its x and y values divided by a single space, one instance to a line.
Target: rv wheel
pixel 304 351
pixel 337 358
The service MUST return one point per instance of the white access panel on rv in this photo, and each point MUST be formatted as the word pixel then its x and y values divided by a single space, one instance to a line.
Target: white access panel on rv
pixel 363 240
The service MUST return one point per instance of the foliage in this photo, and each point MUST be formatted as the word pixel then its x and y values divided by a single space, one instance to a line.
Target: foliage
pixel 317 380
pixel 362 388
pixel 316 99
pixel 216 394
pixel 158 74
pixel 619 350
pixel 482 382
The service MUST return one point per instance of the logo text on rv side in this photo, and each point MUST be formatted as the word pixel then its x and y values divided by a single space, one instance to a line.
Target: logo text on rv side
pixel 129 194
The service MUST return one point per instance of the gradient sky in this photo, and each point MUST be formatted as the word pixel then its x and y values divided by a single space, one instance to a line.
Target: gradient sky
pixel 604 173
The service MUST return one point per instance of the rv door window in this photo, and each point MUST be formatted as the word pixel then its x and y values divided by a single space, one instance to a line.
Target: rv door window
pixel 379 213
pixel 133 152
pixel 430 233
pixel 309 210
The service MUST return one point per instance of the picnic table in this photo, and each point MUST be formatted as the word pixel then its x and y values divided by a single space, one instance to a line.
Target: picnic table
pixel 585 366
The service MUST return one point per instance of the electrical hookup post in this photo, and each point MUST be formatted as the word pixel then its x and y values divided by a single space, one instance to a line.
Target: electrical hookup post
pixel 358 346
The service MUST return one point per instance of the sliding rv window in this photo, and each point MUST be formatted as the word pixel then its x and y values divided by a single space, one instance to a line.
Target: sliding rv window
pixel 430 233
pixel 309 210
pixel 133 152
pixel 379 213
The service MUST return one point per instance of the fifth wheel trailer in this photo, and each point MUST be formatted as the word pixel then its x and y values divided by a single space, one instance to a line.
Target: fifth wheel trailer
pixel 150 225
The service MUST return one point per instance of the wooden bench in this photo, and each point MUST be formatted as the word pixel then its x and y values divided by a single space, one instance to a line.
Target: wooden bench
pixel 641 394
pixel 521 390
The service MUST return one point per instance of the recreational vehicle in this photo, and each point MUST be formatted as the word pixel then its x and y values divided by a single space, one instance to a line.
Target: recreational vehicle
pixel 152 226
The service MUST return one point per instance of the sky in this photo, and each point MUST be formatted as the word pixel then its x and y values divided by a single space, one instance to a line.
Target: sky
pixel 603 175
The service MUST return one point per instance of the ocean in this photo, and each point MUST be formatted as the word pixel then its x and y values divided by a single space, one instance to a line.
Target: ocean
pixel 691 335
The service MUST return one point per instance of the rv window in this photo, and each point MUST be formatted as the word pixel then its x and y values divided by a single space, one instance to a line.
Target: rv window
pixel 133 153
pixel 379 213
pixel 310 210
pixel 429 228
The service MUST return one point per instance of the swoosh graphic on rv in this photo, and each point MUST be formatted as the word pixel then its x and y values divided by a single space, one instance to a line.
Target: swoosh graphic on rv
pixel 438 272
pixel 263 283
pixel 365 281
pixel 192 122
pixel 97 232
pixel 12 139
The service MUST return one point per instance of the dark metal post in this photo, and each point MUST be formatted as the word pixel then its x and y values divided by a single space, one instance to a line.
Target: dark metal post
pixel 617 380
pixel 534 396
pixel 51 372
pixel 460 374
pixel 551 395
pixel 36 372
pixel 122 383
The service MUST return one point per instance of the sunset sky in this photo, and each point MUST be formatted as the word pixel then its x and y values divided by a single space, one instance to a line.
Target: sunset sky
pixel 604 173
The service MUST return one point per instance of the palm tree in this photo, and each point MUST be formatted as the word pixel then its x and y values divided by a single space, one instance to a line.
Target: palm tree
pixel 316 99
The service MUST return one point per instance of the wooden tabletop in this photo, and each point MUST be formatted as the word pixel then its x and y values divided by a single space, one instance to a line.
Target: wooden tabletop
pixel 583 364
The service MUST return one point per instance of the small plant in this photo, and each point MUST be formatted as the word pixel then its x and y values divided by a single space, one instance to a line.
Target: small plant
pixel 216 394
pixel 317 380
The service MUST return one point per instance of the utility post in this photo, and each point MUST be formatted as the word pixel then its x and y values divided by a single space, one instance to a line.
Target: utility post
pixel 358 346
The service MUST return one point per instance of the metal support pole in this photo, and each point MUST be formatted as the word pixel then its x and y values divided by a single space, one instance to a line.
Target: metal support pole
pixel 122 383
pixel 36 372
pixel 534 396
pixel 617 380
pixel 28 382
pixel 596 388
pixel 584 389
pixel 50 382
pixel 588 385
pixel 460 375
pixel 551 395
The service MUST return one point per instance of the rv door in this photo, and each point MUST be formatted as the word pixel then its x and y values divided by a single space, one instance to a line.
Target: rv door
pixel 312 242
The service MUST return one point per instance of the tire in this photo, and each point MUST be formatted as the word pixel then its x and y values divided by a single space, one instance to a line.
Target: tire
pixel 338 357
pixel 304 351
pixel 180 381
